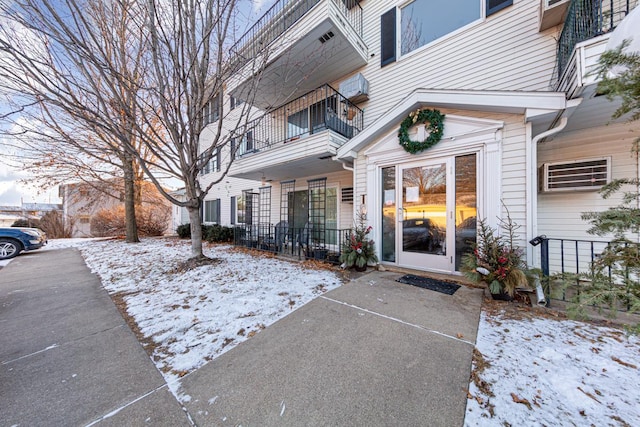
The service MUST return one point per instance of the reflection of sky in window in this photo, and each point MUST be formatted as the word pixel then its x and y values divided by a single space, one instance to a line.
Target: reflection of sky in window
pixel 426 20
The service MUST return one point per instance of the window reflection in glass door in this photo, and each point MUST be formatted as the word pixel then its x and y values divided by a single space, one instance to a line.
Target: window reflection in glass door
pixel 424 205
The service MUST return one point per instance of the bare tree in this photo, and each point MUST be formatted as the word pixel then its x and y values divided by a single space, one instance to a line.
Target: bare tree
pixel 52 60
pixel 189 44
pixel 141 77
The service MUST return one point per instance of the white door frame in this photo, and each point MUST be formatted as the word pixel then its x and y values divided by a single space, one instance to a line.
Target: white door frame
pixel 484 141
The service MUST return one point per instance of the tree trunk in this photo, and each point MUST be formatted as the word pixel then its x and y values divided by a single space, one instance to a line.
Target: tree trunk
pixel 196 231
pixel 131 232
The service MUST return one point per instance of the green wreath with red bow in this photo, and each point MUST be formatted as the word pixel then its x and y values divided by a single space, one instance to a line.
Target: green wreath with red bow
pixel 434 120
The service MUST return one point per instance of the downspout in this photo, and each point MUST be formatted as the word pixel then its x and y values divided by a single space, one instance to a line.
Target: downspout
pixel 532 166
pixel 532 229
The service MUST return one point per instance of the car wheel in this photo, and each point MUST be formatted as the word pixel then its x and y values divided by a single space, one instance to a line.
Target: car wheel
pixel 9 249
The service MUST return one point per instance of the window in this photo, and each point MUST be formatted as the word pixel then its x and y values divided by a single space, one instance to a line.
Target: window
pixel 251 202
pixel 298 124
pixel 315 118
pixel 331 216
pixel 212 211
pixel 213 165
pixel 424 21
pixel 240 209
pixel 388 37
pixel 85 219
pixel 247 145
pixel 234 220
pixel 212 110
pixel 494 6
pixel 235 102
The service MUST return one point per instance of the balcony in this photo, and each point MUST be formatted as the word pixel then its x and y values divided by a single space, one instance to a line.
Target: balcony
pixel 298 45
pixel 298 138
pixel 583 39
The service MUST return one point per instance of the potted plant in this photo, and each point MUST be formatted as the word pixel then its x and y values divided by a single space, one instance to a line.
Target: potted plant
pixel 497 261
pixel 358 251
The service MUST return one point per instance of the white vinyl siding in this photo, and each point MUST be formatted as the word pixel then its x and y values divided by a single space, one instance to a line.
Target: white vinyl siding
pixel 559 214
pixel 478 58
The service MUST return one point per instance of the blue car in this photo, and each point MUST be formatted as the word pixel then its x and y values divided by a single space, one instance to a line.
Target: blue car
pixel 14 240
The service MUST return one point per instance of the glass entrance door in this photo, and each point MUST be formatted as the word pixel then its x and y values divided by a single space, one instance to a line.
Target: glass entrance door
pixel 423 217
pixel 429 213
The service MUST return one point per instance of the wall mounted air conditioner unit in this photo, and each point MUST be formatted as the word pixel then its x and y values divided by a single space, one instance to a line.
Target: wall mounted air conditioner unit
pixel 355 88
pixel 552 13
pixel 586 174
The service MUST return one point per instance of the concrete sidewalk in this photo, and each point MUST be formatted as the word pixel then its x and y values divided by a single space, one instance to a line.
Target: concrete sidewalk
pixel 67 358
pixel 373 352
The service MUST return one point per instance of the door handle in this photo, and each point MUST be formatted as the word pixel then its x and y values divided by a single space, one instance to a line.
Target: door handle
pixel 401 212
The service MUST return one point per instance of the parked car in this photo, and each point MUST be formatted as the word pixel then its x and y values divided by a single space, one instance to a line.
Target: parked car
pixel 422 235
pixel 466 233
pixel 14 240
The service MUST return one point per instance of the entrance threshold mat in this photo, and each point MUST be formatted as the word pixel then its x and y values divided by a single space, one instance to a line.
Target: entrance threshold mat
pixel 428 283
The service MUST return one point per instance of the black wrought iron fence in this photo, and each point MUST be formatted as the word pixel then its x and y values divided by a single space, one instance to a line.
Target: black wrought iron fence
pixel 299 242
pixel 566 266
pixel 587 19
pixel 319 110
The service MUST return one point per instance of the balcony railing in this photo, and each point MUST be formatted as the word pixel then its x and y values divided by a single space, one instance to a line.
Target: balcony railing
pixel 587 19
pixel 316 111
pixel 279 18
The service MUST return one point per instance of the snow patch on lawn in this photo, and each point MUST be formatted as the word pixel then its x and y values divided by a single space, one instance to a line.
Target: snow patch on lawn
pixel 551 372
pixel 196 315
pixel 53 244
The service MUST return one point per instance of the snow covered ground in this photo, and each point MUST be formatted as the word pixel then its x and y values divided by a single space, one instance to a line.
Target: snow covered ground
pixel 530 370
pixel 192 315
pixel 551 372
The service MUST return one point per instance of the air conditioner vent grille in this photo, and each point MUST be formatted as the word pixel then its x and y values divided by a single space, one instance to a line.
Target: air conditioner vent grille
pixel 588 174
pixel 347 195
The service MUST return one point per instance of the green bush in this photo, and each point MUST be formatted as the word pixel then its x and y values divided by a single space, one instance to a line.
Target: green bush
pixel 217 233
pixel 184 231
pixel 210 233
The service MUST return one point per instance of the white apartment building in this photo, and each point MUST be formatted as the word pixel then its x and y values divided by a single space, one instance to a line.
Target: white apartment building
pixel 525 132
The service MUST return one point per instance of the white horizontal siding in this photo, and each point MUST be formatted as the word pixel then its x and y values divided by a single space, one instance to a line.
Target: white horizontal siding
pixel 559 213
pixel 503 52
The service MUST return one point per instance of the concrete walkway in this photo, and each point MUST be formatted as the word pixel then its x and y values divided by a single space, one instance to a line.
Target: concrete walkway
pixel 373 352
pixel 67 358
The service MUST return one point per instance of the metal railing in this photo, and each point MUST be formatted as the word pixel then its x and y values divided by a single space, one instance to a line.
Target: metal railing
pixel 279 18
pixel 316 111
pixel 302 243
pixel 587 19
pixel 566 266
